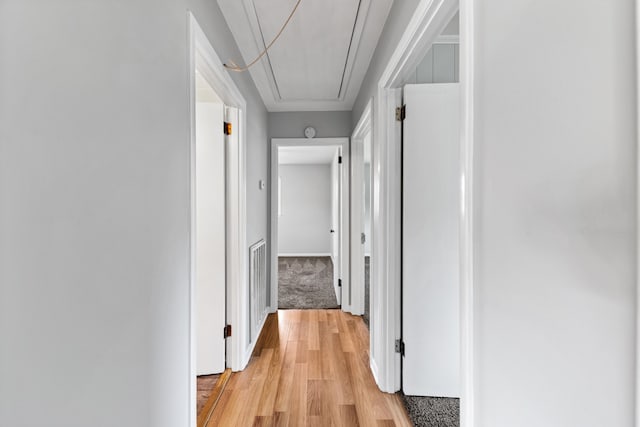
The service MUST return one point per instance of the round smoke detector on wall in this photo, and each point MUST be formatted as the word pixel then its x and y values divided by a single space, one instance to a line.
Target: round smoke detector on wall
pixel 309 132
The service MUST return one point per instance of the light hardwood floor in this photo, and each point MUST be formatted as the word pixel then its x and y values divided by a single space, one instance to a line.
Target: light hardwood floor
pixel 309 368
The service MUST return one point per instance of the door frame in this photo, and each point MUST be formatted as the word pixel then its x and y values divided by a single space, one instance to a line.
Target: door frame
pixel 362 129
pixel 344 214
pixel 212 69
pixel 637 379
pixel 429 18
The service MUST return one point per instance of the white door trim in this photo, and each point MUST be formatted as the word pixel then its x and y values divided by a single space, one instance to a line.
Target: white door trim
pixel 214 72
pixel 467 179
pixel 428 21
pixel 344 220
pixel 361 130
pixel 637 397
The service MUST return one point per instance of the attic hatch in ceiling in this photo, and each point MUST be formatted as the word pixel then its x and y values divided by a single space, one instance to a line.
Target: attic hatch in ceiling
pixel 319 61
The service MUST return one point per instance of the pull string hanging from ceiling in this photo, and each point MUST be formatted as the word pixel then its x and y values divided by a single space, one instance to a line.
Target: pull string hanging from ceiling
pixel 234 67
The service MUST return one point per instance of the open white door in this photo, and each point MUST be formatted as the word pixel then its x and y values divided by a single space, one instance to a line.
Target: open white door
pixel 232 145
pixel 336 215
pixel 210 238
pixel 430 258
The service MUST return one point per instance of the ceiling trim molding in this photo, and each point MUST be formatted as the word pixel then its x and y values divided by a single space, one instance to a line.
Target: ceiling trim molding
pixel 356 38
pixel 244 24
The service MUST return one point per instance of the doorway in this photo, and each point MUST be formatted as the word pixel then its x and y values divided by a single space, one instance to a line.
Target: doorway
pixel 404 254
pixel 367 236
pixel 430 221
pixel 362 256
pixel 308 227
pixel 309 223
pixel 426 26
pixel 218 258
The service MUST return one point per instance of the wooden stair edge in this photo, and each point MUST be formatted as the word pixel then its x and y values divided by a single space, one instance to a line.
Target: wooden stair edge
pixel 212 401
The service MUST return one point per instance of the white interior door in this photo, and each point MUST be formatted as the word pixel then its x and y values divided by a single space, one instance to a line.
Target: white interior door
pixel 335 222
pixel 366 236
pixel 343 235
pixel 210 238
pixel 357 226
pixel 338 266
pixel 430 259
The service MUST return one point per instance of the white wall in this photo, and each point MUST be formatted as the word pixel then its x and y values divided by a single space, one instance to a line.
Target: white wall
pixel 328 124
pixel 554 213
pixel 94 208
pixel 210 238
pixel 304 225
pixel 399 16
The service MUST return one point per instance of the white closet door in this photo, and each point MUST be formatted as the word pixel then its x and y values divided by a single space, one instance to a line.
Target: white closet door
pixel 210 238
pixel 430 267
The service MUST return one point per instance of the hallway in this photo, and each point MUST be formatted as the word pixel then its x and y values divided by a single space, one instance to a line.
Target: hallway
pixel 98 210
pixel 310 367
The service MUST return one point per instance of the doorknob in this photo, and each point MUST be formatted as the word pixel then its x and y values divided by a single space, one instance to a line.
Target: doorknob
pixel 332 231
pixel 363 238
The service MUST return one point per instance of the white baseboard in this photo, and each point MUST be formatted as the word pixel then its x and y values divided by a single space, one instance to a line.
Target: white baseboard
pixel 304 254
pixel 249 350
pixel 374 369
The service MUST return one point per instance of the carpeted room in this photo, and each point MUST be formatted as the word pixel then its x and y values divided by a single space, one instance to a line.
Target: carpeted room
pixel 308 227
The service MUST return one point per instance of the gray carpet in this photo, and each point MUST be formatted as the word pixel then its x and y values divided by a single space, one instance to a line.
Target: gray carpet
pixel 432 411
pixel 306 282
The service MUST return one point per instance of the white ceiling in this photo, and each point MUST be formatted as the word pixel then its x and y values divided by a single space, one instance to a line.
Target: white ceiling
pixel 322 56
pixel 314 155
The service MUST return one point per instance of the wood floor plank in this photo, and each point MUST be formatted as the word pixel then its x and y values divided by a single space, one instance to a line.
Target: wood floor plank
pixel 397 409
pixel 263 422
pixel 304 326
pixel 327 363
pixel 298 402
pixel 309 368
pixel 346 339
pixel 214 398
pixel 332 319
pixel 316 421
pixel 349 416
pixel 330 409
pixel 301 353
pixel 220 409
pixel 314 333
pixel 314 397
pixel 257 386
pixel 281 419
pixel 315 365
pixel 361 395
pixel 267 403
pixel 344 389
pixel 286 378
